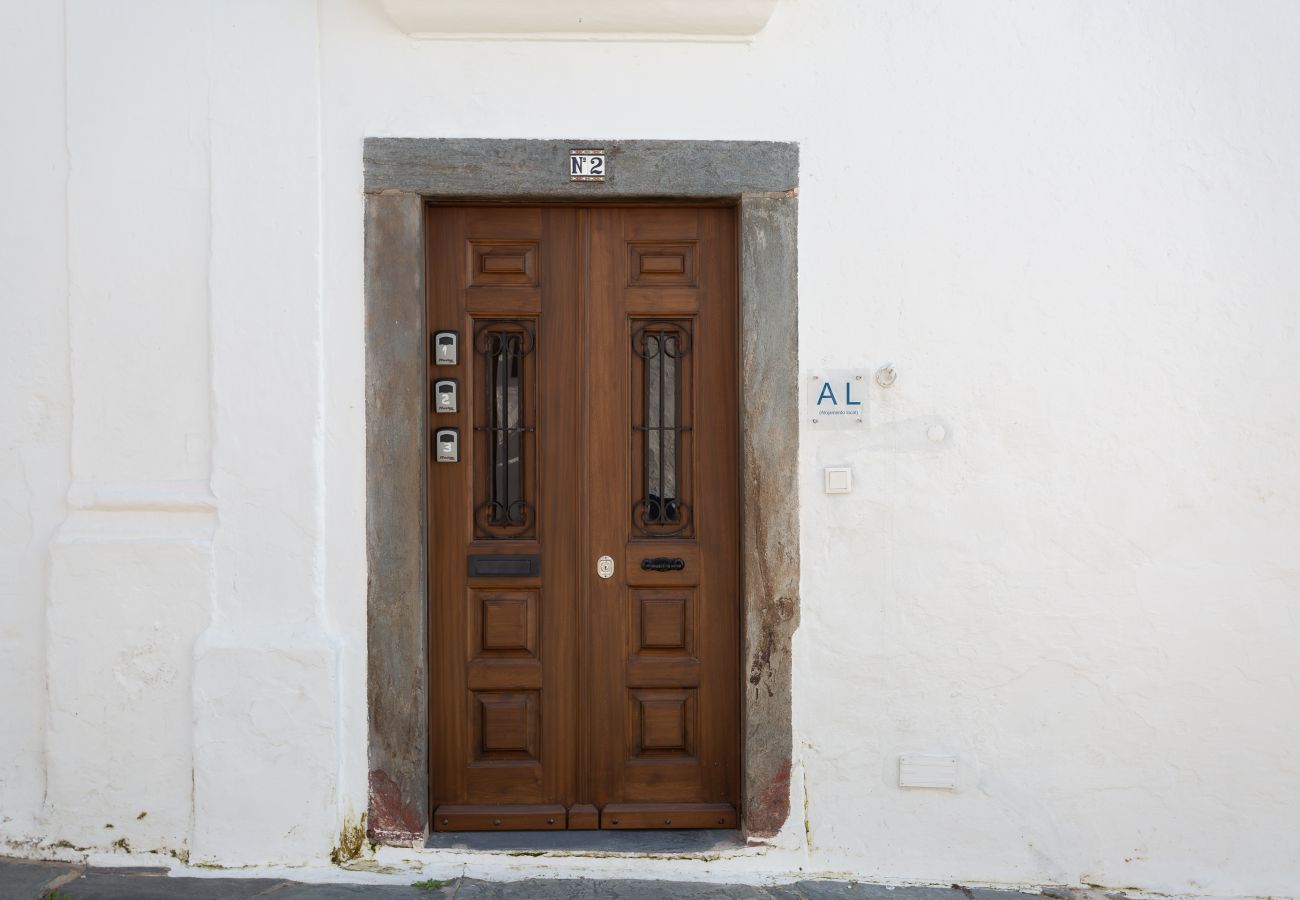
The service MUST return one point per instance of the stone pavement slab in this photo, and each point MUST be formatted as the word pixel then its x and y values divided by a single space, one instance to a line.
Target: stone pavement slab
pixel 852 890
pixel 107 884
pixel 23 880
pixel 615 889
pixel 360 892
pixel 605 889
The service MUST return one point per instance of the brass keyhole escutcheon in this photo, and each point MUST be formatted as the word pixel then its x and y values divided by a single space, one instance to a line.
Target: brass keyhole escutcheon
pixel 605 567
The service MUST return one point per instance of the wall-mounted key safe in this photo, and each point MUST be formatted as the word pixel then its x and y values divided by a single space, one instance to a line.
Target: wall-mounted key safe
pixel 444 348
pixel 446 445
pixel 444 395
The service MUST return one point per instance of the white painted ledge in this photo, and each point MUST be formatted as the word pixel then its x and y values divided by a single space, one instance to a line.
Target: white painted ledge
pixel 159 496
pixel 582 20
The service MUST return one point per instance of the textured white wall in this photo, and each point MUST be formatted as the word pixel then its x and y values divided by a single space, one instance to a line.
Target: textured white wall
pixel 266 688
pixel 130 566
pixel 34 391
pixel 1070 226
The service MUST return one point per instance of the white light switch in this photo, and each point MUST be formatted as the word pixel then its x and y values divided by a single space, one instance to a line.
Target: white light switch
pixel 920 770
pixel 839 479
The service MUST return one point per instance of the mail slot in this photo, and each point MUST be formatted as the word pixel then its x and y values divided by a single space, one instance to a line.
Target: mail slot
pixel 505 566
pixel 663 564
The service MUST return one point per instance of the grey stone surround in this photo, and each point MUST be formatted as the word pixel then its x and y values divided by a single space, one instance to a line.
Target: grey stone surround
pixel 400 173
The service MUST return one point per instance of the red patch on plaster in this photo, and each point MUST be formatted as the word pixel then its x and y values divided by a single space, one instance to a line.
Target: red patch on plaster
pixel 771 806
pixel 390 821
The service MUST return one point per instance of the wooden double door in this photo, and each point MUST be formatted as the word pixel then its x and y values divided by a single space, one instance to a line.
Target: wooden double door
pixel 584 584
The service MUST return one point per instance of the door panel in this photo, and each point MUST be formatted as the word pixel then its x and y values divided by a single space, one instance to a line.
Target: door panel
pixel 502 733
pixel 597 416
pixel 663 425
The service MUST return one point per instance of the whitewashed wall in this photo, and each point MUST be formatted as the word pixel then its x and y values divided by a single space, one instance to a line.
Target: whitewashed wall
pixel 34 391
pixel 1071 226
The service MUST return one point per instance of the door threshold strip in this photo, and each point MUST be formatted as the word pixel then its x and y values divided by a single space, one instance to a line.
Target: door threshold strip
pixel 657 841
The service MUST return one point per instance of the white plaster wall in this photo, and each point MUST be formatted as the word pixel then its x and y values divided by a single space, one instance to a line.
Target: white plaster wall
pixel 35 403
pixel 131 564
pixel 1076 249
pixel 1071 227
pixel 266 684
pixel 173 681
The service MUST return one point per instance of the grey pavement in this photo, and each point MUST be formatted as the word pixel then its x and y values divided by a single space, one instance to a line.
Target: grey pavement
pixel 25 880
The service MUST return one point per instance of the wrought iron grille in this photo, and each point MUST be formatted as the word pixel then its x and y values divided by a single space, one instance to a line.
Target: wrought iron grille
pixel 507 405
pixel 662 510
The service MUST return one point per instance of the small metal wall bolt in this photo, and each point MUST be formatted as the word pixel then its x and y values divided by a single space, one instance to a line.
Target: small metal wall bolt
pixel 886 375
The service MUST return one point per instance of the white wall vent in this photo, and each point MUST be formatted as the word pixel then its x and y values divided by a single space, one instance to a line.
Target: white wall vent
pixel 920 770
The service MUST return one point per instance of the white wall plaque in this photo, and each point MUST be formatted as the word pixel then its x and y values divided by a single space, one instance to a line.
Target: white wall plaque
pixel 923 770
pixel 587 165
pixel 837 398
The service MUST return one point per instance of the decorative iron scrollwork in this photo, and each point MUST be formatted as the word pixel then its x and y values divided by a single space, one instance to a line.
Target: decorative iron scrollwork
pixel 647 341
pixel 662 346
pixel 507 404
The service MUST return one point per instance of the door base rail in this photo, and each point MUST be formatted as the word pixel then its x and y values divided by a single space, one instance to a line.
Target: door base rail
pixel 668 815
pixel 500 817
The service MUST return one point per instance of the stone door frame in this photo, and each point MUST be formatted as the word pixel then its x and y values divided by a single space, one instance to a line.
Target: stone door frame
pixel 400 175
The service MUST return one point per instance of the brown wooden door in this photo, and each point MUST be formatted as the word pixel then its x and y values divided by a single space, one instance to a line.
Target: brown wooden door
pixel 595 392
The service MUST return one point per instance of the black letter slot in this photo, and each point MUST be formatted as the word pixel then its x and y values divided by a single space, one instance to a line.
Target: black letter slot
pixel 505 566
pixel 663 564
